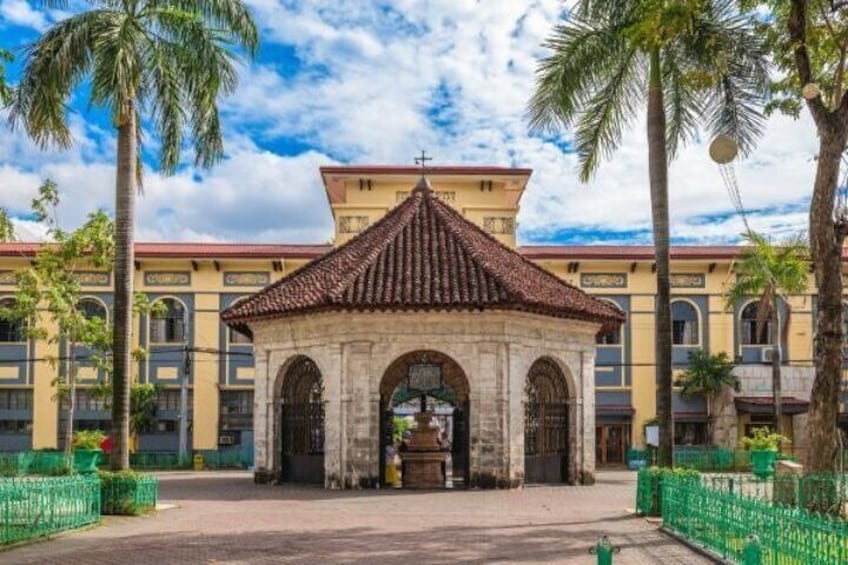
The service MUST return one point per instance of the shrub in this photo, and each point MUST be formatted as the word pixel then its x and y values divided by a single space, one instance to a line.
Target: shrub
pixel 127 492
pixel 88 439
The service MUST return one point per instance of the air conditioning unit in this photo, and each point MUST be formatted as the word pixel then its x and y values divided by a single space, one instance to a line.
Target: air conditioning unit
pixel 226 440
pixel 767 354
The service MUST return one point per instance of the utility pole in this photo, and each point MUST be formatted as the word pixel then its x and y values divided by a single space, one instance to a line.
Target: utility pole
pixel 184 391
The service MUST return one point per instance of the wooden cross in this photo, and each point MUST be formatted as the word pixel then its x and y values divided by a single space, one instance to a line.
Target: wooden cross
pixel 422 160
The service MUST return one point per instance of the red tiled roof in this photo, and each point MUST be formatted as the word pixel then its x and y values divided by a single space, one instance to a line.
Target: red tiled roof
pixel 422 255
pixel 628 252
pixel 411 170
pixel 178 250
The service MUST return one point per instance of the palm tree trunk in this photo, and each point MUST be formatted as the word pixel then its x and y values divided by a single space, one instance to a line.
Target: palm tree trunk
pixel 826 239
pixel 658 173
pixel 125 189
pixel 776 385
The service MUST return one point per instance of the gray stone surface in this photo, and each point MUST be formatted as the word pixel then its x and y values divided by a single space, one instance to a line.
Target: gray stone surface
pixel 225 518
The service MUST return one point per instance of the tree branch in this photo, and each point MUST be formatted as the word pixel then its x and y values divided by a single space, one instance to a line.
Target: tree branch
pixel 798 35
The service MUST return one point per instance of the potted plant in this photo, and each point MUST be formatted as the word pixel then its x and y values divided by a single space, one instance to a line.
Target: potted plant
pixel 763 447
pixel 87 451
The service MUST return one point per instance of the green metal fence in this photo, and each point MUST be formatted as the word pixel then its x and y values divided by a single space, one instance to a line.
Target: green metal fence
pixel 18 463
pixel 159 460
pixel 720 514
pixel 229 459
pixel 127 493
pixel 33 507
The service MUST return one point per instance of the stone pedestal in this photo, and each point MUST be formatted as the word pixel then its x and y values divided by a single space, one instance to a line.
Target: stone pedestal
pixel 787 476
pixel 423 461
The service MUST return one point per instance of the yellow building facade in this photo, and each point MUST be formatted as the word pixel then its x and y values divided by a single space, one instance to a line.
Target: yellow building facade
pixel 189 348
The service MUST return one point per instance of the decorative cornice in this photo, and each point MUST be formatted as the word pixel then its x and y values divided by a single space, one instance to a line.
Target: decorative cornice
pixel 499 224
pixel 352 224
pixel 603 280
pixel 167 278
pixel 247 278
pixel 688 280
pixel 93 278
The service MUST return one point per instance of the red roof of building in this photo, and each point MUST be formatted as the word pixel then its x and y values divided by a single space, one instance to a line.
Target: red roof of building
pixel 628 252
pixel 411 170
pixel 178 250
pixel 423 255
pixel 192 250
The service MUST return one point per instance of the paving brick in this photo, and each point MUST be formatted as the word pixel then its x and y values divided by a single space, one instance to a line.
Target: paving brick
pixel 225 518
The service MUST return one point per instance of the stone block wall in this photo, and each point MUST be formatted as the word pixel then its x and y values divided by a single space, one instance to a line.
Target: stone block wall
pixel 495 351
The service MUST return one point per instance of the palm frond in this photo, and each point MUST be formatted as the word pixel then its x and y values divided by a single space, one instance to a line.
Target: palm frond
pixel 53 66
pixel 582 56
pixel 683 103
pixel 612 108
pixel 725 46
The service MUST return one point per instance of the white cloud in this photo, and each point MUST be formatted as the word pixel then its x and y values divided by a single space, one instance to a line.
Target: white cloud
pixel 19 12
pixel 377 82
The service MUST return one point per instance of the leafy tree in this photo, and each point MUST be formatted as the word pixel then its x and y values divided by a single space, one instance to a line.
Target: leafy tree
pixel 49 290
pixel 167 59
pixel 694 62
pixel 770 273
pixel 7 228
pixel 707 374
pixel 808 40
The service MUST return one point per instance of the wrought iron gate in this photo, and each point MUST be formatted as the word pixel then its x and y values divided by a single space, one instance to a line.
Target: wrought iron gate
pixel 302 424
pixel 545 425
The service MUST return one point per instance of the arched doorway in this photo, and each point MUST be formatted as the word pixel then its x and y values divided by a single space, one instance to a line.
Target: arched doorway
pixel 433 381
pixel 545 424
pixel 302 423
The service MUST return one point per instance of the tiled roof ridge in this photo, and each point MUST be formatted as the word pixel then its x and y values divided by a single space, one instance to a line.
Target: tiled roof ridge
pixel 323 262
pixel 507 278
pixel 390 226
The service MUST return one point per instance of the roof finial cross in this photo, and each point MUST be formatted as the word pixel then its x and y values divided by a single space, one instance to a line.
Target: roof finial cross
pixel 422 160
pixel 423 184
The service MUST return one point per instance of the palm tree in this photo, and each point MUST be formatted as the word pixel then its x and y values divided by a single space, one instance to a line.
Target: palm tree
pixel 5 89
pixel 770 273
pixel 707 375
pixel 696 62
pixel 168 59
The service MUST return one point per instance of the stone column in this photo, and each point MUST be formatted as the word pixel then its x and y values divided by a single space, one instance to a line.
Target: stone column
pixel 333 416
pixel 518 365
pixel 262 411
pixel 361 468
pixel 586 410
pixel 491 469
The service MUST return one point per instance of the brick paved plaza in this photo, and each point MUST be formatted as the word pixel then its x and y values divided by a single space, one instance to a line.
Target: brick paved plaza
pixel 225 518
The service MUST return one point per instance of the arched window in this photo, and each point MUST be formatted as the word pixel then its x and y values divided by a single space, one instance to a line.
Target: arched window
pixel 684 323
pixel 748 321
pixel 167 325
pixel 92 308
pixel 613 337
pixel 11 331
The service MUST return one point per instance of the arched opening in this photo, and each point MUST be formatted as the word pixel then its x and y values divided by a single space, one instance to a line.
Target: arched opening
pixel 167 323
pixel 685 323
pixel 424 422
pixel 301 423
pixel 748 320
pixel 545 424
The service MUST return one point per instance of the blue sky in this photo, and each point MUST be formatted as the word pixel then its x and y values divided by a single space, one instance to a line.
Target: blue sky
pixel 343 81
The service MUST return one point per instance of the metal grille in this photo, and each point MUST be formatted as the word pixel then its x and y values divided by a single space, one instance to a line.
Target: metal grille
pixel 546 411
pixel 303 410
